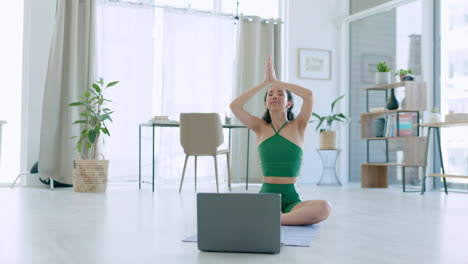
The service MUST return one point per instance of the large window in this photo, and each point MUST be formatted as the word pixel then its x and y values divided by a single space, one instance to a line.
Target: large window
pixel 168 60
pixel 454 86
pixel 11 53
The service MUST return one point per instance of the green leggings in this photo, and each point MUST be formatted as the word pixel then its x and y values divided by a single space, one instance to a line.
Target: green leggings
pixel 289 195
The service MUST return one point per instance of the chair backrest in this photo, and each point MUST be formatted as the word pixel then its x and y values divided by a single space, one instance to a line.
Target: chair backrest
pixel 200 133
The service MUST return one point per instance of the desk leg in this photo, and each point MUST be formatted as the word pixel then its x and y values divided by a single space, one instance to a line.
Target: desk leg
pixel 247 172
pixel 404 178
pixel 139 157
pixel 229 139
pixel 152 161
pixel 423 183
pixel 441 160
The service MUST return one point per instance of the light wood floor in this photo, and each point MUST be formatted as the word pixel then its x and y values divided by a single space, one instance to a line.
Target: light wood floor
pixel 126 225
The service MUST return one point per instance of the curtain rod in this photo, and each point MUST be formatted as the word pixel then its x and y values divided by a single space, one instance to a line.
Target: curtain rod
pixel 190 10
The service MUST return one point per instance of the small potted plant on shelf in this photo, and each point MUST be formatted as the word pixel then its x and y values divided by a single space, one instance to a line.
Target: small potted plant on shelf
pixel 90 173
pixel 327 135
pixel 382 76
pixel 434 116
pixel 403 73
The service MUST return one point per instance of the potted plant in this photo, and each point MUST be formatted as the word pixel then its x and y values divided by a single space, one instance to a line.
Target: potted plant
pixel 90 173
pixel 403 73
pixel 327 135
pixel 382 76
pixel 434 116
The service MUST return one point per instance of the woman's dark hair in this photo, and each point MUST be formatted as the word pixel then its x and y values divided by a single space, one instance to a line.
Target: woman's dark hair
pixel 290 115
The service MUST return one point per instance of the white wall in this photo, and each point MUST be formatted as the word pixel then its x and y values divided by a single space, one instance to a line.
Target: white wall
pixel 38 30
pixel 314 24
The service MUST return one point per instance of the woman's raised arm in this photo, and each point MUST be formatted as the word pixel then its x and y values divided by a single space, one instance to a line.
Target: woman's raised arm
pixel 307 96
pixel 237 106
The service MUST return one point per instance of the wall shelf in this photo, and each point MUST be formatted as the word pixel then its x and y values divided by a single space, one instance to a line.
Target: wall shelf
pixel 391 85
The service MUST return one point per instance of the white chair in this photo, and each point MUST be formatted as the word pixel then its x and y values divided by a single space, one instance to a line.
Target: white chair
pixel 200 135
pixel 34 170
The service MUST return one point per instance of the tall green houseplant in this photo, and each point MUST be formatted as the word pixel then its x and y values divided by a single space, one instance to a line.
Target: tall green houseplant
pixel 327 137
pixel 94 116
pixel 329 119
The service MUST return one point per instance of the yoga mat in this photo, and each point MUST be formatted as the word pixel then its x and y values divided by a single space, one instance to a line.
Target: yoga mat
pixel 296 236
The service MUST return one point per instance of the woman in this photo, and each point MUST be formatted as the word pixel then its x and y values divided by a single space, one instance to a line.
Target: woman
pixel 280 140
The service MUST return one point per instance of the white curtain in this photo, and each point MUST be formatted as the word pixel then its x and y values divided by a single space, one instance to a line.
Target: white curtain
pixel 198 59
pixel 125 53
pixel 70 72
pixel 256 39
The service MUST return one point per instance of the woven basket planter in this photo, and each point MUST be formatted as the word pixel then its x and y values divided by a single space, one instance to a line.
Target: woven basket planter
pixel 90 175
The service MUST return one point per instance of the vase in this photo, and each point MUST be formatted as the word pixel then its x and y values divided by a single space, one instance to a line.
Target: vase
pixel 392 102
pixel 435 118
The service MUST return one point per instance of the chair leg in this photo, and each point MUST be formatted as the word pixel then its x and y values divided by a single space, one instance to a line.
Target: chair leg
pixel 196 173
pixel 229 171
pixel 216 172
pixel 17 177
pixel 183 173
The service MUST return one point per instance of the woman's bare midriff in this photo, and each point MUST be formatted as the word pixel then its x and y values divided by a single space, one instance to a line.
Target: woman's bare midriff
pixel 279 180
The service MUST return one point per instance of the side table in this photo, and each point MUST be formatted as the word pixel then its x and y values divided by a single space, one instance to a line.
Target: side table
pixel 329 157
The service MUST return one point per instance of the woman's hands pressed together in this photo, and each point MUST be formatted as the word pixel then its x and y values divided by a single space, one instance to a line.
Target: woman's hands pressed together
pixel 269 74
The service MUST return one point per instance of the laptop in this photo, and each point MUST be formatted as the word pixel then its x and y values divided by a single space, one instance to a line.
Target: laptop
pixel 239 222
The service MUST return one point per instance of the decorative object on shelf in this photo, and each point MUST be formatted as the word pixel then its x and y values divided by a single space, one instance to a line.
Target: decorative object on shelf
pixel 403 73
pixel 90 173
pixel 392 102
pixel 456 117
pixel 314 64
pixel 327 136
pixel 369 66
pixel 382 76
pixel 156 119
pixel 379 127
pixel 377 109
pixel 227 119
pixel 329 158
pixel 408 77
pixel 434 116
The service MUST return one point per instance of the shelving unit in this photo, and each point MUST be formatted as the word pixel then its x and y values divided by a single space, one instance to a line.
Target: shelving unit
pixel 443 175
pixel 375 174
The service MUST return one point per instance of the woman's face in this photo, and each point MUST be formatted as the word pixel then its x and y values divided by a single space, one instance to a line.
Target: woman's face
pixel 277 99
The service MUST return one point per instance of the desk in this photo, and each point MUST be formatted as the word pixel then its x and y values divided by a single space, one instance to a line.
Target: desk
pixel 1 124
pixel 176 124
pixel 443 175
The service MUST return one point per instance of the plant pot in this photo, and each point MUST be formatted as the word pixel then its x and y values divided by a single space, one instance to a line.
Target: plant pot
pixel 327 140
pixel 90 175
pixel 382 77
pixel 402 76
pixel 434 118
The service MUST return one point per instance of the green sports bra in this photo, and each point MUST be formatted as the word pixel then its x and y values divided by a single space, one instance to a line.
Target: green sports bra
pixel 279 156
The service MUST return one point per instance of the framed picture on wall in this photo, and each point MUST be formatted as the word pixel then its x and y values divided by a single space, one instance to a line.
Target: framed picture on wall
pixel 369 66
pixel 314 64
